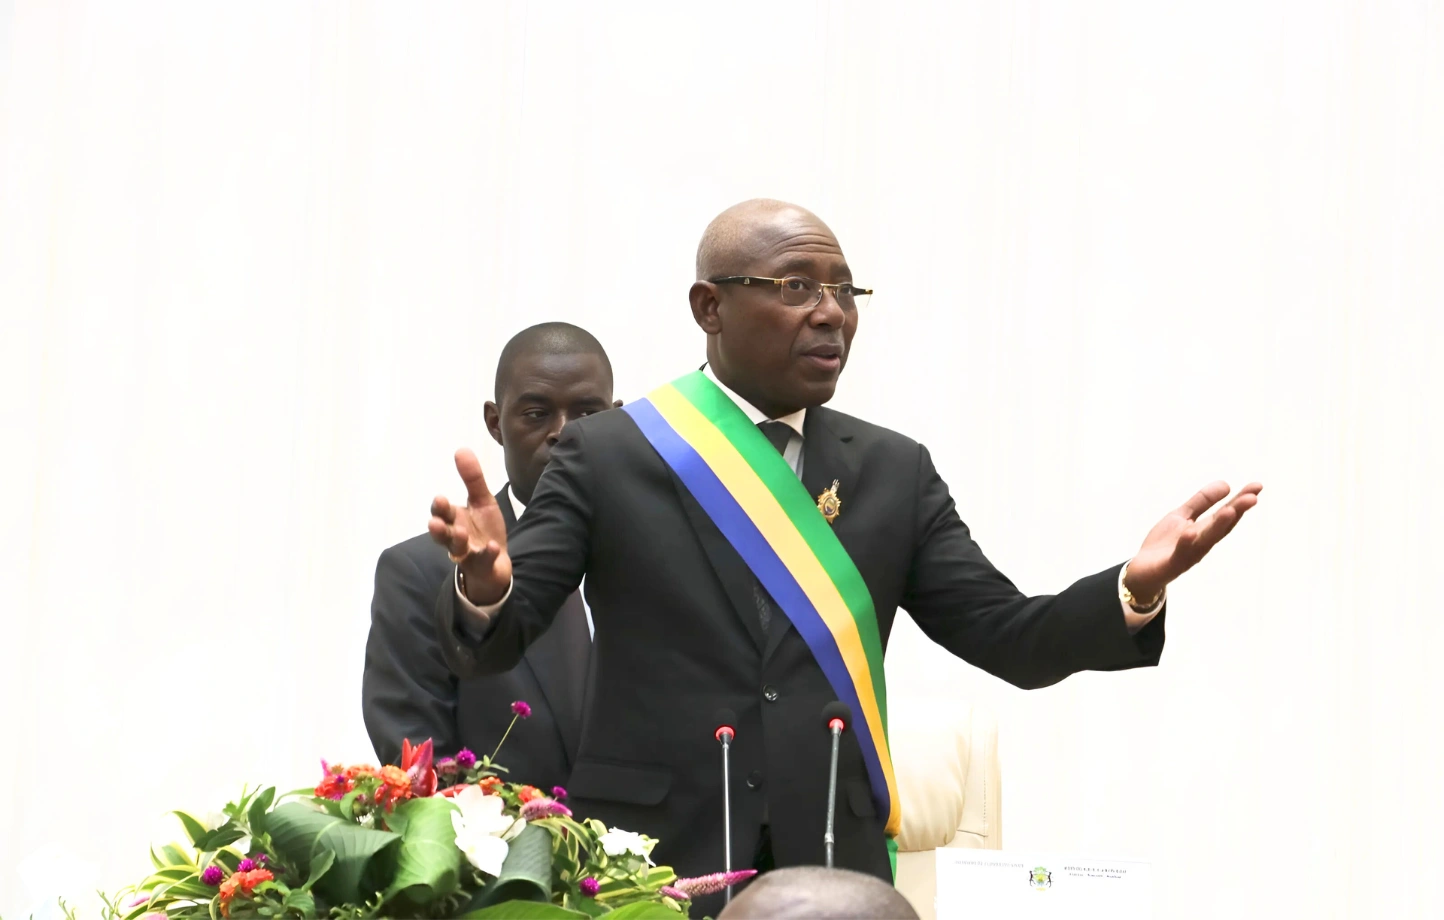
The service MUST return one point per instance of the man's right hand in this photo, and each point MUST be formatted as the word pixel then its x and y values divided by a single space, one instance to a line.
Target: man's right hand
pixel 474 535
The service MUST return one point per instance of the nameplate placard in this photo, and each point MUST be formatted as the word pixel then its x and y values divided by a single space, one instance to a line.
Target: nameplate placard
pixel 1024 885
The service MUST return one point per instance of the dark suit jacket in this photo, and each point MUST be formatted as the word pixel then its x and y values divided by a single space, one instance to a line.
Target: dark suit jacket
pixel 678 635
pixel 408 691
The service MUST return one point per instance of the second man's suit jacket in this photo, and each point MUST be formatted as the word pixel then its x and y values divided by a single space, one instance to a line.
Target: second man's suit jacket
pixel 408 691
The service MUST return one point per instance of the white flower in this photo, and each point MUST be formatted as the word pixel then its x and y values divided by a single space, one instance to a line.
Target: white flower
pixel 483 829
pixel 618 842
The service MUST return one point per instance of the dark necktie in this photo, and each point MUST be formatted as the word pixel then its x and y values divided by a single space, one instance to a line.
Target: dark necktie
pixel 778 434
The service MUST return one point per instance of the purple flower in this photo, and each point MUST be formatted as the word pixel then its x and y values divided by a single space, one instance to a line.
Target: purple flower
pixel 590 886
pixel 213 876
pixel 559 793
pixel 246 865
pixel 262 859
pixel 521 709
pixel 544 808
pixel 711 884
pixel 465 759
pixel 446 766
pixel 142 898
pixel 675 894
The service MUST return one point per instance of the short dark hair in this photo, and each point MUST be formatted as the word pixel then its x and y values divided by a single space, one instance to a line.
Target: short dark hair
pixel 554 338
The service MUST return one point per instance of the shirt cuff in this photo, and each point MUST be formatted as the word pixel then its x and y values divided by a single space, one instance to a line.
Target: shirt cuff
pixel 478 624
pixel 1133 619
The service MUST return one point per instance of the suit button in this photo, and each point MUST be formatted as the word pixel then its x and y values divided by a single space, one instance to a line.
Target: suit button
pixel 769 694
pixel 754 779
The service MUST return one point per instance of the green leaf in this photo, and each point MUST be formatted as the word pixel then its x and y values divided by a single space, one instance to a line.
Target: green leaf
pixel 526 875
pixel 428 863
pixel 302 902
pixel 523 910
pixel 365 858
pixel 319 867
pixel 195 830
pixel 644 910
pixel 225 835
pixel 176 856
pixel 256 816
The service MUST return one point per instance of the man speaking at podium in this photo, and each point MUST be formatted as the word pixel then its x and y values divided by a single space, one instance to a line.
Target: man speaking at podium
pixel 747 548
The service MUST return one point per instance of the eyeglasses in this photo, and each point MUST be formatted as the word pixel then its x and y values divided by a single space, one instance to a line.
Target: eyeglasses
pixel 802 291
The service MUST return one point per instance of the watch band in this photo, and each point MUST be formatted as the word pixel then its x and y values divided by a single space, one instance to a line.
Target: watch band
pixel 1134 604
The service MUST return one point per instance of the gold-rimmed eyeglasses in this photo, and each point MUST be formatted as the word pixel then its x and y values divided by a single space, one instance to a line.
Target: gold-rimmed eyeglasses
pixel 802 291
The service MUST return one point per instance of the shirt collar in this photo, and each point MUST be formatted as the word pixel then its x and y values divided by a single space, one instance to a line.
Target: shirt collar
pixel 793 421
pixel 518 507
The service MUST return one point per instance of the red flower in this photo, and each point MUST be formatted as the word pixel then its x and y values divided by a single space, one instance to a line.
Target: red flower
pixel 416 761
pixel 334 787
pixel 527 793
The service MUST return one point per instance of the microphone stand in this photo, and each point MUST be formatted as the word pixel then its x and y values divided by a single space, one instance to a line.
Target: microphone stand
pixel 724 735
pixel 827 838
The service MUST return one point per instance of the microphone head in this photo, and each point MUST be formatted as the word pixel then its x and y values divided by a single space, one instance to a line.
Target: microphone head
pixel 726 721
pixel 837 711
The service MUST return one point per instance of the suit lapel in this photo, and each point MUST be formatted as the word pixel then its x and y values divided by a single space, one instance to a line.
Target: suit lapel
pixel 827 455
pixel 559 662
pixel 554 658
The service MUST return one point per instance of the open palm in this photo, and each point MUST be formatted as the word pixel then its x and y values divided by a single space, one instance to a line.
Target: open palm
pixel 1182 538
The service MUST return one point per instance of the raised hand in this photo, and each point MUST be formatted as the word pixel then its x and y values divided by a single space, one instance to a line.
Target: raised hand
pixel 1181 539
pixel 474 534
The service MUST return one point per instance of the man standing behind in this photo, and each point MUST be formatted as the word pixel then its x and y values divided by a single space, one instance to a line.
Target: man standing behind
pixel 547 376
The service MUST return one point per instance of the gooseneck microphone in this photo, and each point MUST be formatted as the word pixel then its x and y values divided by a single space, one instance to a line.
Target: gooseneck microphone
pixel 726 721
pixel 836 716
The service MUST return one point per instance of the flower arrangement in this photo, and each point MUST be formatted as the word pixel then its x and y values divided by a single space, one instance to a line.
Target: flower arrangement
pixel 449 838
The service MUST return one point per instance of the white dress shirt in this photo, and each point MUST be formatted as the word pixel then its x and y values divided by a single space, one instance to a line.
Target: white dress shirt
pixel 793 455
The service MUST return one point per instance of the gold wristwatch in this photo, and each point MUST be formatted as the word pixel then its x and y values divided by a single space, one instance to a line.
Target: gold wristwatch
pixel 1134 604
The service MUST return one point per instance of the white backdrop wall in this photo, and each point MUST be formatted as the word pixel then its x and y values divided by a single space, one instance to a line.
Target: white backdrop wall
pixel 257 261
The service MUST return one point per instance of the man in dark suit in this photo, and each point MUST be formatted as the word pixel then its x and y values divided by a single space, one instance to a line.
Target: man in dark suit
pixel 685 627
pixel 548 375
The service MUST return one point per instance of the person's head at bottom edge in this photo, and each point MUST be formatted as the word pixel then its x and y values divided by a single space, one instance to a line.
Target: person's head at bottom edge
pixel 815 893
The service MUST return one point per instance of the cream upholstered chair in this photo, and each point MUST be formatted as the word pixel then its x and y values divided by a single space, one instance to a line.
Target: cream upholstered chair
pixel 950 784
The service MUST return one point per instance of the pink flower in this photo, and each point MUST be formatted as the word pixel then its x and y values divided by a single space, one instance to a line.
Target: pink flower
pixel 213 876
pixel 711 884
pixel 522 709
pixel 559 793
pixel 590 886
pixel 544 808
pixel 674 893
pixel 465 759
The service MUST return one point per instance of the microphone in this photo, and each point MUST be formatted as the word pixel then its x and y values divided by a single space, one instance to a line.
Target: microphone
pixel 836 716
pixel 726 721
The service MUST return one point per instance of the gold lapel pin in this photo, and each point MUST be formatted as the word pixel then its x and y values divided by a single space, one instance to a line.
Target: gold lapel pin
pixel 829 504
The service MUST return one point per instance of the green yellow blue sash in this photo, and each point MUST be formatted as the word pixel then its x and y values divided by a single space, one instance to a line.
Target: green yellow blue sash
pixel 756 500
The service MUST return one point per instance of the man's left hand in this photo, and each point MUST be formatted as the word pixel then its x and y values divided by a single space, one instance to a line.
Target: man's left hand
pixel 1181 539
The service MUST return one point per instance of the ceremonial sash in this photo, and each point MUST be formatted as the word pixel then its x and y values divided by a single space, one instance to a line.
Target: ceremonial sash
pixel 763 510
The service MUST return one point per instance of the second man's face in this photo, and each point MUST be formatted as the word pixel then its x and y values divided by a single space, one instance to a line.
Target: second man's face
pixel 543 393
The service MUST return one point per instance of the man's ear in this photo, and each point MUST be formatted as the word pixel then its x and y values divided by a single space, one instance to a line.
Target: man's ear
pixel 617 404
pixel 493 420
pixel 704 307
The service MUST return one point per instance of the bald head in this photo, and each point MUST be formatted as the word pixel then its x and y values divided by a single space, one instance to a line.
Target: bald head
pixel 815 893
pixel 739 235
